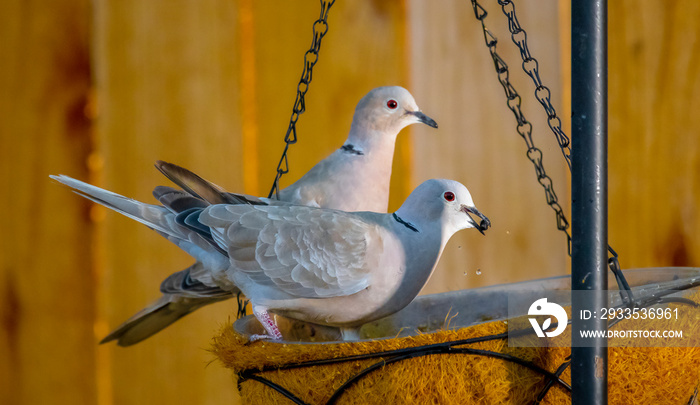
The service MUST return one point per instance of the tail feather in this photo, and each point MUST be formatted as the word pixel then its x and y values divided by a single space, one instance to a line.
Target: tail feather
pixel 153 216
pixel 162 219
pixel 177 200
pixel 198 187
pixel 156 317
pixel 195 282
pixel 195 185
pixel 183 293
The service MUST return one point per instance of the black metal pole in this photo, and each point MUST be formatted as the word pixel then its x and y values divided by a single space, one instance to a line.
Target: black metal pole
pixel 589 191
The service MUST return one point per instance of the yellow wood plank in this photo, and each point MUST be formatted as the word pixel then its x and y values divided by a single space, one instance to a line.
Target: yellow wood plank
pixel 172 82
pixel 654 132
pixel 477 142
pixel 46 284
pixel 167 75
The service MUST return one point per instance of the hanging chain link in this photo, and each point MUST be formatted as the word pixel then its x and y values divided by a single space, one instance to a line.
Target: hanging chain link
pixel 531 68
pixel 242 305
pixel 320 28
pixel 524 127
pixel 542 93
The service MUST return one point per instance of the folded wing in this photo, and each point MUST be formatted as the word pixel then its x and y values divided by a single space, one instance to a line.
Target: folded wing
pixel 303 251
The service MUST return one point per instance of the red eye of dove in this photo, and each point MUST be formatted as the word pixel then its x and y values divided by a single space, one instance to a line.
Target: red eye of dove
pixel 392 104
pixel 449 196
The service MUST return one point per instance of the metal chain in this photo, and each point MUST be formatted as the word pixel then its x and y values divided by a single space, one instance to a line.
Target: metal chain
pixel 542 93
pixel 242 305
pixel 531 68
pixel 320 28
pixel 524 127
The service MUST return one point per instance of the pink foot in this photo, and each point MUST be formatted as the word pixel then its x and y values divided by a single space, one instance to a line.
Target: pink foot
pixel 272 330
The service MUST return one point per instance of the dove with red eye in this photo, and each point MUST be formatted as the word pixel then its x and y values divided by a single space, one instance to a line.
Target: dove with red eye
pixel 322 266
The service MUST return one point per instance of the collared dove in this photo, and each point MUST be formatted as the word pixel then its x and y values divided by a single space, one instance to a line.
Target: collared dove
pixel 355 177
pixel 322 266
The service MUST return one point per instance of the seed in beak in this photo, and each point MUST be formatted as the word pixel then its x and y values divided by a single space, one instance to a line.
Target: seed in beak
pixel 485 222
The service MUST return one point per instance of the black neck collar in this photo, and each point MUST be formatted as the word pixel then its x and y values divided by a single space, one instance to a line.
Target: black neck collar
pixel 350 148
pixel 404 223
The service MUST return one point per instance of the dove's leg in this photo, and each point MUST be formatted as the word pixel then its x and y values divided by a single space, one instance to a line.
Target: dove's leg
pixel 350 333
pixel 272 330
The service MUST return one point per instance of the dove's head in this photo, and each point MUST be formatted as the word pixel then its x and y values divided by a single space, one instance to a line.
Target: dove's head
pixel 446 202
pixel 384 112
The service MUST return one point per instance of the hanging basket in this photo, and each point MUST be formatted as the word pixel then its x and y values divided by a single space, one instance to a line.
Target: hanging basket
pixel 451 348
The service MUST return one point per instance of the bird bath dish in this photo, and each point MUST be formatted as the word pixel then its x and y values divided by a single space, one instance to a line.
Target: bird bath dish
pixel 464 308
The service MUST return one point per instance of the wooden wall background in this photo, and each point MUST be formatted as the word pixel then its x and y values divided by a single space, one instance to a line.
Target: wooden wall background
pixel 101 89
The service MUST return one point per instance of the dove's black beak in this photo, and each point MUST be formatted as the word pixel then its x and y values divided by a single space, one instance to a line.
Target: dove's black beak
pixel 423 118
pixel 483 225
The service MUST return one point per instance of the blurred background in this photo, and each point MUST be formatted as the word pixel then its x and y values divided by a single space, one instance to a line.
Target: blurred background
pixel 100 89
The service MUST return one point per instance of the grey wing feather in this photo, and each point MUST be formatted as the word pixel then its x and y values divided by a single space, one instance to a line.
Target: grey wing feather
pixel 303 251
